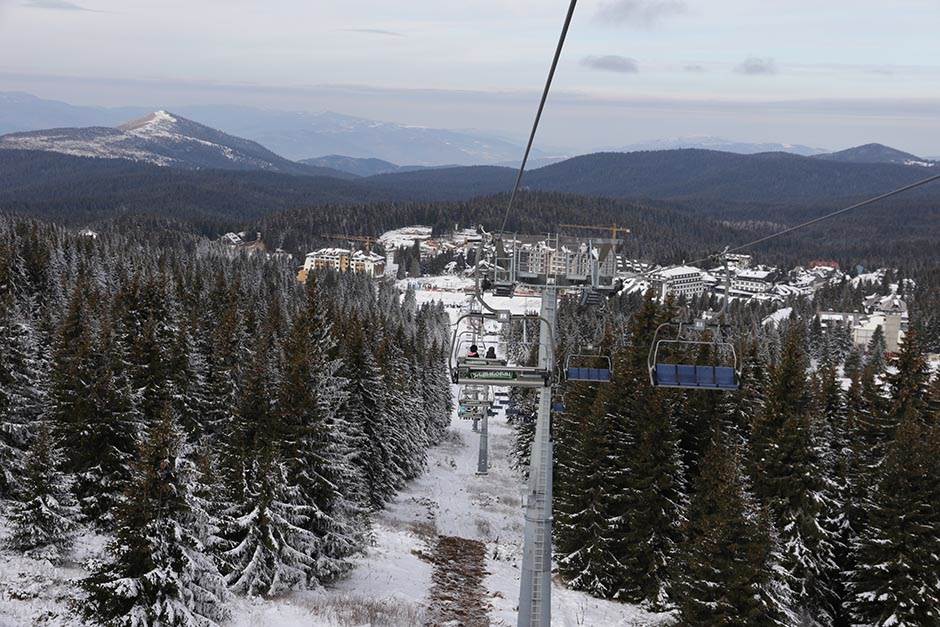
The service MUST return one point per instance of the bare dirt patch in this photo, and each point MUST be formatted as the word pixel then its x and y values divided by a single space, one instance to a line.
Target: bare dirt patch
pixel 458 596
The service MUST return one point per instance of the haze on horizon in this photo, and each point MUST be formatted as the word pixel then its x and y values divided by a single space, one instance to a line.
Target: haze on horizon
pixel 832 74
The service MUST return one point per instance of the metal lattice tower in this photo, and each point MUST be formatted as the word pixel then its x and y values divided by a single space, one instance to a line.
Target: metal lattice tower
pixel 535 586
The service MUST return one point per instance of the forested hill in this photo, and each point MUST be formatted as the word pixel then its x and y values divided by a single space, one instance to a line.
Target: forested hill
pixel 82 189
pixel 702 176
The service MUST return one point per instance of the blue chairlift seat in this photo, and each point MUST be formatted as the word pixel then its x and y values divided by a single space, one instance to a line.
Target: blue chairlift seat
pixel 588 374
pixel 697 377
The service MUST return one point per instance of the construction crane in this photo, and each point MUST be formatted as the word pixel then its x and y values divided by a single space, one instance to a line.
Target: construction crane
pixel 364 239
pixel 614 229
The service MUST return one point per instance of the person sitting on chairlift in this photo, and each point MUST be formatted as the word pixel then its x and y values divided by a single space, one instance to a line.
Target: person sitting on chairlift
pixel 491 353
pixel 473 351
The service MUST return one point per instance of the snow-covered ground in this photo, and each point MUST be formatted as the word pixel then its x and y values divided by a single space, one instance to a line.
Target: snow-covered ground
pixel 391 583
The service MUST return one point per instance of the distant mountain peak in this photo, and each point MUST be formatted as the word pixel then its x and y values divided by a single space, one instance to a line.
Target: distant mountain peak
pixel 159 118
pixel 876 153
pixel 165 139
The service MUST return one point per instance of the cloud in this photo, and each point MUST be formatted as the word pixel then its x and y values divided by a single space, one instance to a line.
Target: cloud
pixel 58 5
pixel 374 31
pixel 611 63
pixel 694 68
pixel 757 66
pixel 644 13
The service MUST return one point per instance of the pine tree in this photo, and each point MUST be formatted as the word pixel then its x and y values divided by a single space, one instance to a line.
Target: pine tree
pixel 159 573
pixel 23 390
pixel 316 449
pixel 791 477
pixel 90 409
pixel 726 571
pixel 366 414
pixel 896 580
pixel 582 529
pixel 45 516
pixel 876 350
pixel 266 547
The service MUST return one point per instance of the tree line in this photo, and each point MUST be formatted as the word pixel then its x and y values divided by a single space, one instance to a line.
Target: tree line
pixel 229 429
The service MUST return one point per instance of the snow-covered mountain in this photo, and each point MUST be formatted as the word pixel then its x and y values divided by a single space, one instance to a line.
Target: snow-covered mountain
pixel 164 139
pixel 717 143
pixel 292 134
pixel 877 153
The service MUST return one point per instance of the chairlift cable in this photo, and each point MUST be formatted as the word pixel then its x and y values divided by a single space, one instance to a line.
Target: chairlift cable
pixel 538 115
pixel 832 214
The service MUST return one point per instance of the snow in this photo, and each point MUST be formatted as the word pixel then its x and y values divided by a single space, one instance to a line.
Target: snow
pixel 778 316
pixel 405 236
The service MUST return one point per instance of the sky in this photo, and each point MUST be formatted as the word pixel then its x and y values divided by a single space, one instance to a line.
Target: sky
pixel 830 73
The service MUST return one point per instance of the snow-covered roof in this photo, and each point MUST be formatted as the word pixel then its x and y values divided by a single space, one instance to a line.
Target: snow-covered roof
pixel 677 271
pixel 753 275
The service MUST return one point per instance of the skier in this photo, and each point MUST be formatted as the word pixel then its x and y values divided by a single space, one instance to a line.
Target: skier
pixel 473 351
pixel 491 353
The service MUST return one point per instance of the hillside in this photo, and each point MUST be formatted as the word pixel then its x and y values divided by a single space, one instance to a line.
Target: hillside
pixel 163 139
pixel 77 189
pixel 706 178
pixel 875 153
pixel 362 166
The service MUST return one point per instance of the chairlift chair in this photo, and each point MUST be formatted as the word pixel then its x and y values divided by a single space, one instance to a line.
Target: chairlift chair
pixel 669 373
pixel 588 368
pixel 493 372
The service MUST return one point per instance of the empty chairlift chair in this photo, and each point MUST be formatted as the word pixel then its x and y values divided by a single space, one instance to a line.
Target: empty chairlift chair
pixel 588 368
pixel 666 370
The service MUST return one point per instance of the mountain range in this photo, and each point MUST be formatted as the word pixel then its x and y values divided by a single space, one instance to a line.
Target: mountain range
pixel 167 163
pixel 163 139
pixel 292 134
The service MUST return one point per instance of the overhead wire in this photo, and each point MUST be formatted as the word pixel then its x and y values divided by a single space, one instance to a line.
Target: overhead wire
pixel 827 216
pixel 538 115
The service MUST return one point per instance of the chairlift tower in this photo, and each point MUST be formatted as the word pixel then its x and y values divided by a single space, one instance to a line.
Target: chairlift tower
pixel 535 586
pixel 547 265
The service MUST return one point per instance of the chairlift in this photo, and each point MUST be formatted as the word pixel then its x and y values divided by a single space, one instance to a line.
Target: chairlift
pixel 666 372
pixel 467 370
pixel 588 368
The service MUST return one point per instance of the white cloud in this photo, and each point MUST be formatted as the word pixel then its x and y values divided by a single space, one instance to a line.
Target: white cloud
pixel 611 63
pixel 757 66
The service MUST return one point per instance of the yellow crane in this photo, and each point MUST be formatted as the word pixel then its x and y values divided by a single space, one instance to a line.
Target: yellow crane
pixel 613 229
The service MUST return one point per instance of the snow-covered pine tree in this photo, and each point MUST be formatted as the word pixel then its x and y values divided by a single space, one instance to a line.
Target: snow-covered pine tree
pixel 791 477
pixel 366 415
pixel 158 572
pixel 582 529
pixel 896 576
pixel 909 384
pixel 266 547
pixel 44 516
pixel 645 476
pixel 23 389
pixel 316 448
pixel 90 409
pixel 836 435
pixel 726 572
